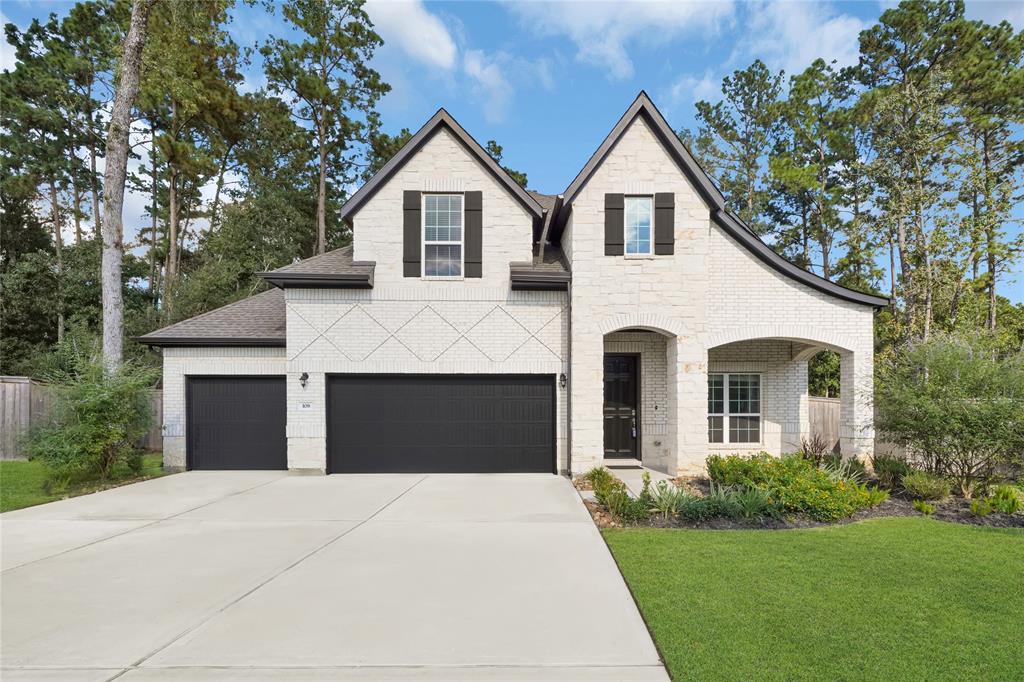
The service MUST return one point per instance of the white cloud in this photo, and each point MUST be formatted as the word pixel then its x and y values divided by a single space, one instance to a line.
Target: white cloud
pixel 418 33
pixel 690 88
pixel 602 31
pixel 790 35
pixel 489 80
pixel 994 11
pixel 7 58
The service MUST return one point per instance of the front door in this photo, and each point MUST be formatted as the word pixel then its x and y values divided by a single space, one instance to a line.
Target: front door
pixel 621 407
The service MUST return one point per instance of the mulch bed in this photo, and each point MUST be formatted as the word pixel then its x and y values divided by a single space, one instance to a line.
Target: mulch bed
pixel 954 510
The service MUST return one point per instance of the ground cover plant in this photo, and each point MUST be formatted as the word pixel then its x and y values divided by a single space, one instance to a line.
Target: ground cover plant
pixel 25 484
pixel 893 598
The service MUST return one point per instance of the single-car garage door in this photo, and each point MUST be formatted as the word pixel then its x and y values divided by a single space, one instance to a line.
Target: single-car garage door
pixel 441 423
pixel 236 423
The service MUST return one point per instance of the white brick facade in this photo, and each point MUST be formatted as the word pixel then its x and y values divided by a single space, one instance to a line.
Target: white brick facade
pixel 181 363
pixel 711 306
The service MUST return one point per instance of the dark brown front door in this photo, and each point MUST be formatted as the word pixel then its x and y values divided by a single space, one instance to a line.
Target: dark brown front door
pixel 621 407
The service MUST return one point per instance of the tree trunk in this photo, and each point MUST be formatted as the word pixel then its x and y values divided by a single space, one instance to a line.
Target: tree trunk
pixel 892 276
pixel 58 248
pixel 113 183
pixel 215 206
pixel 153 214
pixel 171 266
pixel 94 185
pixel 321 199
pixel 990 233
pixel 77 198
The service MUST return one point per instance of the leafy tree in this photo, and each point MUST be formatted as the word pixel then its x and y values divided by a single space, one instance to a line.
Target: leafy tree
pixel 326 73
pixel 494 150
pixel 382 148
pixel 957 404
pixel 734 136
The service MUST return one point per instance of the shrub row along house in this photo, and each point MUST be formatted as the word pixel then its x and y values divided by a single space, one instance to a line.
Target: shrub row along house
pixel 473 326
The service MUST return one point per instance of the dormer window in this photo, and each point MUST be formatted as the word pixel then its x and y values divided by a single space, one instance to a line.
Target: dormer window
pixel 442 235
pixel 637 225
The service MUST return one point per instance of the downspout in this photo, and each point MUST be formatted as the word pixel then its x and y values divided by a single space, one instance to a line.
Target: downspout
pixel 568 385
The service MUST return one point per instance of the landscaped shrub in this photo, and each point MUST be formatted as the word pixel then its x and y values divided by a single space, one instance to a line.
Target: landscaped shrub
pixel 957 404
pixel 925 508
pixel 876 496
pixel 666 499
pixel 1005 499
pixel 754 504
pixel 599 476
pixel 981 507
pixel 849 469
pixel 694 508
pixel 98 419
pixel 925 486
pixel 721 501
pixel 814 449
pixel 793 483
pixel 612 493
pixel 889 470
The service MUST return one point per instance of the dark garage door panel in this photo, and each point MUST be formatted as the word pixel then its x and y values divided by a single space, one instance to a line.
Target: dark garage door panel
pixel 236 423
pixel 441 423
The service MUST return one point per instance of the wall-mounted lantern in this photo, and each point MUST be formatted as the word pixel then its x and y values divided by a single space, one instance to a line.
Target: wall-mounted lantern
pixel 561 380
pixel 303 379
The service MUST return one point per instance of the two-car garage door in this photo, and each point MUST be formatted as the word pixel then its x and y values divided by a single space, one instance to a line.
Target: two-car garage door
pixel 381 423
pixel 440 423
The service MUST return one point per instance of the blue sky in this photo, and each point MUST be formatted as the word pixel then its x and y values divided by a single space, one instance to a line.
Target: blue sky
pixel 548 80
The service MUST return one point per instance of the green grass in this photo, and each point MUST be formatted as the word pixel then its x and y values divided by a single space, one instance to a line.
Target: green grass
pixel 22 484
pixel 896 598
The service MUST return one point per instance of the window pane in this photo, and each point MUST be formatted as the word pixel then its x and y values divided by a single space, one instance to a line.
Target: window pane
pixel 715 434
pixel 455 203
pixel 442 261
pixel 744 393
pixel 431 203
pixel 744 429
pixel 637 234
pixel 716 402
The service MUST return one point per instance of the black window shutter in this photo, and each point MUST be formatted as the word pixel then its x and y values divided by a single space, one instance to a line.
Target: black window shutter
pixel 613 224
pixel 474 238
pixel 411 229
pixel 664 223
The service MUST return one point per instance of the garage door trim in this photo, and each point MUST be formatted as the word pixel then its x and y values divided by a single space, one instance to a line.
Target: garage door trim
pixel 414 375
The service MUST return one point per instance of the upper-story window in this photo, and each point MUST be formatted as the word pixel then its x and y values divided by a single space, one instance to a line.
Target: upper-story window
pixel 442 235
pixel 637 224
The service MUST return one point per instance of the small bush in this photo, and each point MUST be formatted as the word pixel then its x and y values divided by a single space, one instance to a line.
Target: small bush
pixel 850 469
pixel 754 504
pixel 875 495
pixel 815 449
pixel 1005 499
pixel 599 476
pixel 981 508
pixel 791 482
pixel 98 418
pixel 694 508
pixel 924 486
pixel 721 501
pixel 924 507
pixel 666 499
pixel 626 507
pixel 890 470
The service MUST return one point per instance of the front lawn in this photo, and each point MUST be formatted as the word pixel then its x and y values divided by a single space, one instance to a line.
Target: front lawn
pixel 23 484
pixel 893 598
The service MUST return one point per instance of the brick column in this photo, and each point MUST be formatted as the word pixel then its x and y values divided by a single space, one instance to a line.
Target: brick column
pixel 688 385
pixel 856 406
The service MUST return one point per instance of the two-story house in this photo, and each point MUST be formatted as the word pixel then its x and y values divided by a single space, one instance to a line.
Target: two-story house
pixel 474 326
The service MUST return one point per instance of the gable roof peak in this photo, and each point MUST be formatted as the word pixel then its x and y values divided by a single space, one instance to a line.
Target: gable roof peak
pixel 416 142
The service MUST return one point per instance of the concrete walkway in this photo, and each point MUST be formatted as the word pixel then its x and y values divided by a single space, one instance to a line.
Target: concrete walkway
pixel 262 575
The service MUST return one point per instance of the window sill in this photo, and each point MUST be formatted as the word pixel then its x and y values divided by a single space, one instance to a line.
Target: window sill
pixel 645 256
pixel 735 446
pixel 442 279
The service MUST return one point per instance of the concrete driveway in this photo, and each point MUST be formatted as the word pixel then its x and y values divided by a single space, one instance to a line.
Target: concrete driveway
pixel 260 575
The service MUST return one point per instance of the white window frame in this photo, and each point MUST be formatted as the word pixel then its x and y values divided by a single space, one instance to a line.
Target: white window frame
pixel 423 237
pixel 625 227
pixel 725 414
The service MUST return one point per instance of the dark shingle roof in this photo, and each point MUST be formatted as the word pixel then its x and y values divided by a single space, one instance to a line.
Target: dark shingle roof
pixel 553 259
pixel 546 201
pixel 255 321
pixel 337 262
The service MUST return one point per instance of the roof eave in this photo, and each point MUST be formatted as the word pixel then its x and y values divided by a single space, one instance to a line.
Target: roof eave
pixel 524 278
pixel 318 280
pixel 211 341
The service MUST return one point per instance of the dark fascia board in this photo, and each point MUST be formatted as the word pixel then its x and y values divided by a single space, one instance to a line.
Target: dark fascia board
pixel 738 231
pixel 283 280
pixel 422 136
pixel 209 341
pixel 643 106
pixel 524 278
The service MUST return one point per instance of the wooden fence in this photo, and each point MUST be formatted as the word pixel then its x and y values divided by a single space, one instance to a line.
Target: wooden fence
pixel 25 403
pixel 824 418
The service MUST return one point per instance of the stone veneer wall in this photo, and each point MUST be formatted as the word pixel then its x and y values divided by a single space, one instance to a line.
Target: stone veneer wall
pixel 179 363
